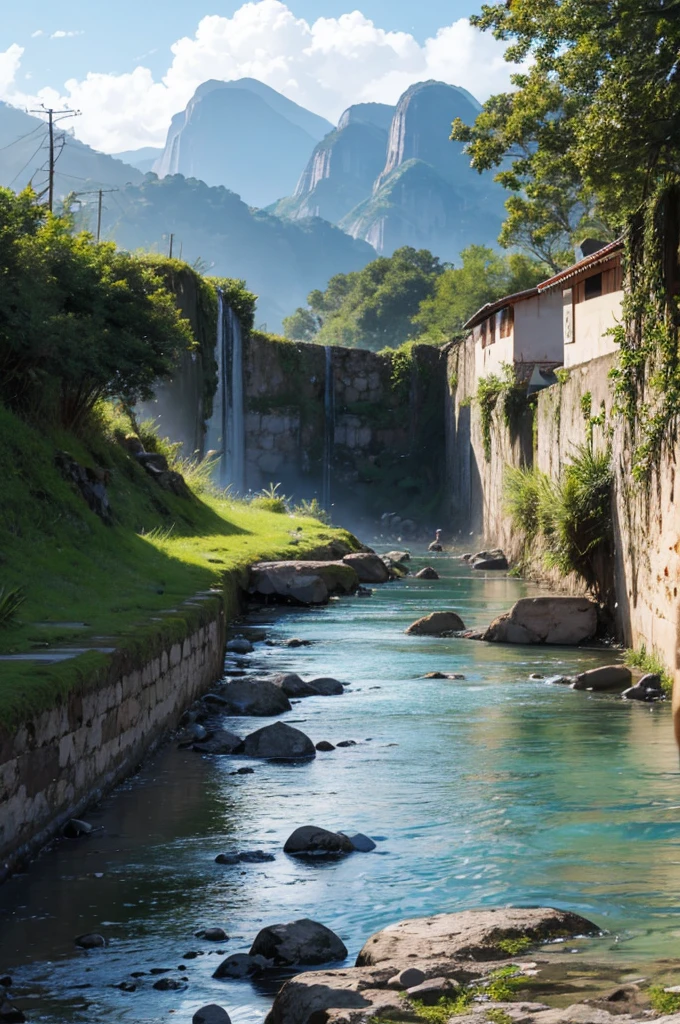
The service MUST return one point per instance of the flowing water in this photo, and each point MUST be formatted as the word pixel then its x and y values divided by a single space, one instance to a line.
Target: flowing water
pixel 491 790
pixel 329 428
pixel 225 430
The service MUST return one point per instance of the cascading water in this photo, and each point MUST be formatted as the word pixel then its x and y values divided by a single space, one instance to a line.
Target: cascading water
pixel 225 429
pixel 236 426
pixel 329 429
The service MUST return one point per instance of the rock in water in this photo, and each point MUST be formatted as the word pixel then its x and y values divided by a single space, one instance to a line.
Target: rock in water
pixel 91 940
pixel 398 556
pixel 324 745
pixel 256 697
pixel 361 843
pixel 312 841
pixel 301 943
pixel 211 1014
pixel 428 573
pixel 369 568
pixel 648 688
pixel 279 742
pixel 437 624
pixel 221 741
pixel 302 582
pixel 293 685
pixel 239 645
pixel 241 965
pixel 545 620
pixel 471 934
pixel 10 1014
pixel 491 564
pixel 213 934
pixel 74 829
pixel 608 677
pixel 327 687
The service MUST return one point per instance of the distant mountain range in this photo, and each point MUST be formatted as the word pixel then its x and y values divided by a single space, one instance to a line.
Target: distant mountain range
pixel 280 260
pixel 243 135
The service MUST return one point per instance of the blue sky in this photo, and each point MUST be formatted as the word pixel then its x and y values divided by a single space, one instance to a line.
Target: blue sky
pixel 130 65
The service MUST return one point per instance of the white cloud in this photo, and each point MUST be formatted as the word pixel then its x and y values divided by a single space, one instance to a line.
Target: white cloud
pixel 61 34
pixel 10 61
pixel 325 65
pixel 38 32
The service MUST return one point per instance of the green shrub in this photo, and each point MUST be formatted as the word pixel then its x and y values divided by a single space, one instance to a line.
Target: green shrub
pixel 512 394
pixel 525 494
pixel 313 510
pixel 270 500
pixel 514 946
pixel 11 599
pixel 664 1002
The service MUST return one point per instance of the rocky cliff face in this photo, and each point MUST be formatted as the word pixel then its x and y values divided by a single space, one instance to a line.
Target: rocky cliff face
pixel 343 167
pixel 392 177
pixel 243 135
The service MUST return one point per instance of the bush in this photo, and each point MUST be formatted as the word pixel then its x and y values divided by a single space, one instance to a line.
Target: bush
pixel 313 510
pixel 270 500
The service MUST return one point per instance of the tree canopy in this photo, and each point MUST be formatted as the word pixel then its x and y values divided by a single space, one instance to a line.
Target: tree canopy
pixel 410 296
pixel 79 321
pixel 594 119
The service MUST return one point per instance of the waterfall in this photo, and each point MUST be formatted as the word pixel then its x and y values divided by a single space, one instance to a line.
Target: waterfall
pixel 225 429
pixel 236 454
pixel 329 429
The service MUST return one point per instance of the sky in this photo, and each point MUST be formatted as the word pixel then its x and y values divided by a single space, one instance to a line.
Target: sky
pixel 130 65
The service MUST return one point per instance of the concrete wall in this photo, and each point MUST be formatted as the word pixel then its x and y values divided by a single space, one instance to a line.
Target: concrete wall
pixel 644 577
pixel 56 764
pixel 592 319
pixel 388 438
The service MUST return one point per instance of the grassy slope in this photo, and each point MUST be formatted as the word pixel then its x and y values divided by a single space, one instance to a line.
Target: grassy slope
pixel 125 583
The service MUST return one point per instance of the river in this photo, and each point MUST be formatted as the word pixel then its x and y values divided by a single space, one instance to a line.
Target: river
pixel 487 791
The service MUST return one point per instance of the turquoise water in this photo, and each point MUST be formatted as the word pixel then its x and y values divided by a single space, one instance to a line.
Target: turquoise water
pixel 487 791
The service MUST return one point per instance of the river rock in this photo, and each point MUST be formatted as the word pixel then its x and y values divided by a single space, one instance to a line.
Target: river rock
pixel 279 742
pixel 545 620
pixel 213 934
pixel 170 984
pixel 369 568
pixel 302 942
pixel 75 829
pixel 221 741
pixel 240 645
pixel 608 677
pixel 211 1014
pixel 648 688
pixel 293 685
pixel 91 940
pixel 241 965
pixel 407 978
pixel 325 686
pixel 431 991
pixel 443 675
pixel 490 564
pixel 398 556
pixel 305 583
pixel 428 573
pixel 324 745
pixel 246 857
pixel 10 1014
pixel 312 841
pixel 469 935
pixel 437 624
pixel 256 697
pixel 361 843
pixel 485 556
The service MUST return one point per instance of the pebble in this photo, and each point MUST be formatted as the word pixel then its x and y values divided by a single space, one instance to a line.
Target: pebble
pixel 91 940
pixel 325 745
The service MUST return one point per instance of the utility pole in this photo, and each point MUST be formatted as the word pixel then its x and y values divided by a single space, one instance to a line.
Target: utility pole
pixel 172 237
pixel 100 193
pixel 61 114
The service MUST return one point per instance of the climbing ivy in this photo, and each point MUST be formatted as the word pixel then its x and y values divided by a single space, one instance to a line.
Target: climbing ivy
pixel 647 378
pixel 512 394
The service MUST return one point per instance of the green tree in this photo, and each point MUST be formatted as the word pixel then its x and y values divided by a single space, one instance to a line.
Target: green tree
pixel 590 126
pixel 302 325
pixel 373 308
pixel 483 276
pixel 78 321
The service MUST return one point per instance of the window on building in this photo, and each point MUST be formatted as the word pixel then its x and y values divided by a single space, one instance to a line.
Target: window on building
pixel 593 286
pixel 507 317
pixel 489 331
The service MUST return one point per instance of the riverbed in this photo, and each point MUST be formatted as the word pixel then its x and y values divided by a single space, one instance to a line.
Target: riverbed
pixel 490 790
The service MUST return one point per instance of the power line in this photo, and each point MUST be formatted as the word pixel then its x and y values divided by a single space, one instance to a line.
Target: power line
pixel 22 137
pixel 31 157
pixel 61 115
pixel 100 193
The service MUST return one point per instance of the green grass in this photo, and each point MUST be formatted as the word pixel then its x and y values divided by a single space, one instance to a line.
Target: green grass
pixel 120 586
pixel 442 1011
pixel 664 1002
pixel 646 662
pixel 514 946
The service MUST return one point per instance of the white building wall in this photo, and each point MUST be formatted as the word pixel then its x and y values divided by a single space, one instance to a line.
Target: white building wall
pixel 538 334
pixel 592 319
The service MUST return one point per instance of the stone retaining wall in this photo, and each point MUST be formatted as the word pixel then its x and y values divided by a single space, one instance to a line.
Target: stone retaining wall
pixel 62 760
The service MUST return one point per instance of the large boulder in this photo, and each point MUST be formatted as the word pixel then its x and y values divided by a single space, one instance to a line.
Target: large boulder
pixel 398 556
pixel 279 742
pixel 240 965
pixel 469 935
pixel 648 688
pixel 326 686
pixel 369 568
pixel 211 1014
pixel 301 942
pixel 221 741
pixel 494 564
pixel 607 677
pixel 257 697
pixel 305 583
pixel 428 573
pixel 294 686
pixel 437 624
pixel 312 841
pixel 545 620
